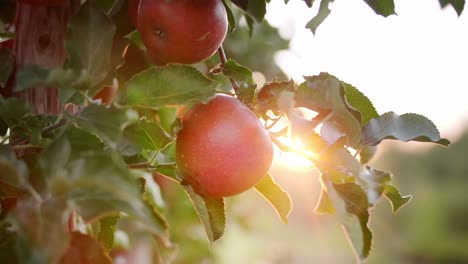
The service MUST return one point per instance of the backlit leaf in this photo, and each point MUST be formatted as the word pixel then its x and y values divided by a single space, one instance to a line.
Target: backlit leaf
pixel 276 196
pixel 407 127
pixel 210 210
pixel 356 226
pixel 395 198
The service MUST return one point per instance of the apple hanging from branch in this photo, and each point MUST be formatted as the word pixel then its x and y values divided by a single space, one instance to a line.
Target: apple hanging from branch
pixel 223 149
pixel 184 32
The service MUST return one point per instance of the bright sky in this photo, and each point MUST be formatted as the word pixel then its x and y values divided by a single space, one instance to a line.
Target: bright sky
pixel 414 62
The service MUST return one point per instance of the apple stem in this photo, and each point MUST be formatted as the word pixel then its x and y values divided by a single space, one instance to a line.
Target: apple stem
pixel 223 59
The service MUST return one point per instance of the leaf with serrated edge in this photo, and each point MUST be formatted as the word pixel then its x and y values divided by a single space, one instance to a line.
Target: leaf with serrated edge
pixel 458 5
pixel 324 93
pixel 406 127
pixel 98 184
pixel 395 198
pixel 276 196
pixel 210 210
pixel 169 85
pixel 360 102
pixel 356 204
pixel 107 123
pixel 237 72
pixel 148 135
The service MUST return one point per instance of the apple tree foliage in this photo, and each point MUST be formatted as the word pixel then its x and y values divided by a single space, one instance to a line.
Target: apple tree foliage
pixel 81 179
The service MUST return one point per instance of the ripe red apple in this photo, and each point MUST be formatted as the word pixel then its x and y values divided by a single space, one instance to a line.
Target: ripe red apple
pixel 107 94
pixel 223 149
pixel 182 31
pixel 42 2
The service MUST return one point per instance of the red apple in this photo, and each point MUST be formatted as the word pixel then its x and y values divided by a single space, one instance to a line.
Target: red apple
pixel 182 31
pixel 107 94
pixel 223 149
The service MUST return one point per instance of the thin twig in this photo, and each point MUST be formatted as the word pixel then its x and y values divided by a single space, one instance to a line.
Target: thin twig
pixel 43 132
pixel 275 121
pixel 223 59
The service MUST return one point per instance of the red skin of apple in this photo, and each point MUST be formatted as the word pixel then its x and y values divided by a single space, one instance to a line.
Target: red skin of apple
pixel 223 149
pixel 42 2
pixel 182 31
pixel 107 94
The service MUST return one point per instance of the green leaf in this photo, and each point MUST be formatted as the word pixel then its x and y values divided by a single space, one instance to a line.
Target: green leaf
pixel 270 93
pixel 237 72
pixel 14 111
pixel 107 123
pixel 56 156
pixel 34 75
pixel 82 140
pixel 170 85
pixel 13 174
pixel 210 210
pixel 395 198
pixel 360 102
pixel 256 9
pixel 135 38
pixel 85 249
pixel 324 93
pixel 382 7
pixel 89 43
pixel 100 185
pixel 276 196
pixel 357 204
pixel 322 14
pixel 367 153
pixel 148 135
pixel 458 5
pixel 7 61
pixel 407 127
pixel 374 182
pixel 108 226
pixel 230 16
pixel 325 204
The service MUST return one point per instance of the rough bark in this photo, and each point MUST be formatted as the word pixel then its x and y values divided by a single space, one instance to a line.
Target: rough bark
pixel 40 34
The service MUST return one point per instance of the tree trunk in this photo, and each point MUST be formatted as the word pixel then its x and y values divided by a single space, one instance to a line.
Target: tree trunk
pixel 40 34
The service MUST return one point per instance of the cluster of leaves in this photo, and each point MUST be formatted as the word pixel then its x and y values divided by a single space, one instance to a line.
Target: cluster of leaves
pixel 256 10
pixel 92 170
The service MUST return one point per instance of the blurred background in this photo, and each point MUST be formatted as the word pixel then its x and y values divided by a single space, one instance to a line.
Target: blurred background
pixel 413 62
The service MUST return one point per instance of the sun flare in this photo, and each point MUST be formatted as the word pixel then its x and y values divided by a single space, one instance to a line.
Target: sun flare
pixel 299 158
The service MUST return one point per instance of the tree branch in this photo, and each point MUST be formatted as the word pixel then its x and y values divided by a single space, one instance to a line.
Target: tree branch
pixel 223 59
